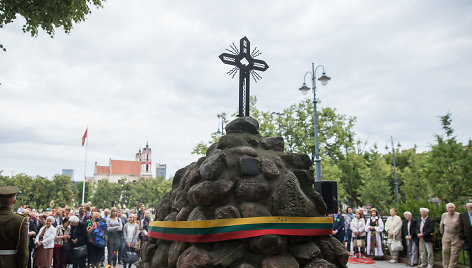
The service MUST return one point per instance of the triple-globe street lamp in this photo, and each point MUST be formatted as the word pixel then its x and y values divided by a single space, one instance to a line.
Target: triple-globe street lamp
pixel 304 89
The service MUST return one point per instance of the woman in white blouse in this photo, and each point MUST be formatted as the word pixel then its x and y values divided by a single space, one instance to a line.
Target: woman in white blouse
pixel 358 234
pixel 44 244
pixel 374 228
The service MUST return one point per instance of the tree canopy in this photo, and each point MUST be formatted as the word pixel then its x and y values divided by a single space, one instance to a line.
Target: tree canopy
pixel 46 14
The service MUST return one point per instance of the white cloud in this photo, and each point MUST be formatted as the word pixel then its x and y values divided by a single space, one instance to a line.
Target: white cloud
pixel 148 71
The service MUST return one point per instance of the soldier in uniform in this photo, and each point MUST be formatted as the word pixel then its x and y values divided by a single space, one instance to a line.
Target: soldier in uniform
pixel 13 231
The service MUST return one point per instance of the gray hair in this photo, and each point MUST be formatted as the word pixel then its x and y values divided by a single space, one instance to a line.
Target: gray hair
pixel 407 213
pixel 468 205
pixel 51 218
pixel 74 219
pixel 450 204
pixel 424 209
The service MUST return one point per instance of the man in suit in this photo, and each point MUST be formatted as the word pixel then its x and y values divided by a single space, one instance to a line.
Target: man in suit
pixel 465 230
pixel 13 231
pixel 425 235
pixel 338 226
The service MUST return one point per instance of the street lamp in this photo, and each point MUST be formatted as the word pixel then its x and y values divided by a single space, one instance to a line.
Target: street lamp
pixel 304 89
pixel 394 167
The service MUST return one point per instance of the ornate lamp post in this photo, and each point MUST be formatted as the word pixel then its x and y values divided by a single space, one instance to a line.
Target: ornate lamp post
pixel 394 168
pixel 304 89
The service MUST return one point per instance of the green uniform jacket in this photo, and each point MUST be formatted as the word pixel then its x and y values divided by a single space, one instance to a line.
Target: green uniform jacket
pixel 9 231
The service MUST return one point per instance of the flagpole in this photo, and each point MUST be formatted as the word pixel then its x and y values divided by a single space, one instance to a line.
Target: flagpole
pixel 85 169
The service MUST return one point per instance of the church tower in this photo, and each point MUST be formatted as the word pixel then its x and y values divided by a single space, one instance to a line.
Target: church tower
pixel 144 157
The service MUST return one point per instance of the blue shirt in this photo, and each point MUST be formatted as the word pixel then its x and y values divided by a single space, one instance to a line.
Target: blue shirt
pixel 470 217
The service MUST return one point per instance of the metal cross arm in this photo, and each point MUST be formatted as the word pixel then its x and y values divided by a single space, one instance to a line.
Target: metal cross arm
pixel 243 60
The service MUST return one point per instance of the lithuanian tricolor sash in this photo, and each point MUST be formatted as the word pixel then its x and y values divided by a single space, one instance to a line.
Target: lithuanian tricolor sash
pixel 237 228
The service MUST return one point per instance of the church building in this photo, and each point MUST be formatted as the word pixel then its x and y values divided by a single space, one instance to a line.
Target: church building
pixel 124 169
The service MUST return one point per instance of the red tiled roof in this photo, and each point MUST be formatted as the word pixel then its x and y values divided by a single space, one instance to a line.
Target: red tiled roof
pixel 103 170
pixel 123 167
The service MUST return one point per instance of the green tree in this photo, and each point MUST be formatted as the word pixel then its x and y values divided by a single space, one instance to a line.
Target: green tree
pixel 376 189
pixel 448 165
pixel 46 15
pixel 410 174
pixel 63 190
pixel 106 194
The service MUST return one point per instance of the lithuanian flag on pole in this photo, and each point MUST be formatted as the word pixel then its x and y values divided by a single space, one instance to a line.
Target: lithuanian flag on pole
pixel 237 228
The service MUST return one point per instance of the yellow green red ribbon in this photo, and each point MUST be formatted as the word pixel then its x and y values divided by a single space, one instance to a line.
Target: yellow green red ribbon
pixel 237 228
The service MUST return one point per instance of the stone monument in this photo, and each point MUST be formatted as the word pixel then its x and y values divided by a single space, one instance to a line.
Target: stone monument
pixel 242 176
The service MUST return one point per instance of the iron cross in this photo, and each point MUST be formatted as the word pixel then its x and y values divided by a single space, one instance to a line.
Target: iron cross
pixel 244 62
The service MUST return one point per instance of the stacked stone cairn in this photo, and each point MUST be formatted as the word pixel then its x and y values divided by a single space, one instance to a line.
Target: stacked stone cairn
pixel 244 175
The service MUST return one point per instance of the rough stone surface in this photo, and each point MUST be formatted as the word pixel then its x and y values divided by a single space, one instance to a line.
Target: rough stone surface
pixel 160 256
pixel 252 190
pixel 297 161
pixel 193 257
pixel 269 168
pixel 197 214
pixel 305 252
pixel 208 192
pixel 250 209
pixel 216 187
pixel 243 125
pixel 340 252
pixel 249 166
pixel 184 213
pixel 213 165
pixel 244 150
pixel 319 263
pixel 269 244
pixel 147 251
pixel 274 144
pixel 288 199
pixel 245 265
pixel 226 253
pixel 174 252
pixel 171 217
pixel 231 141
pixel 280 261
pixel 227 212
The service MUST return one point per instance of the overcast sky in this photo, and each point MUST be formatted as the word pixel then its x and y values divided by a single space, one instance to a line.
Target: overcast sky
pixel 148 71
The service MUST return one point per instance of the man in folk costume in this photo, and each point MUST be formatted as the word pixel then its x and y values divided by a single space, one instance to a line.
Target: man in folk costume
pixel 374 228
pixel 393 226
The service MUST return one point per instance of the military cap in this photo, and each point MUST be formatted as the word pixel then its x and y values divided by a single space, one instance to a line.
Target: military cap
pixel 9 190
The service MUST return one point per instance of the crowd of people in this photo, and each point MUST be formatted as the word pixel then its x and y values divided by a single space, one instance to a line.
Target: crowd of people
pixel 361 232
pixel 79 236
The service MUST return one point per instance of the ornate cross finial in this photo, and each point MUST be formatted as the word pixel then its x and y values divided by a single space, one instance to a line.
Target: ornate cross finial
pixel 244 62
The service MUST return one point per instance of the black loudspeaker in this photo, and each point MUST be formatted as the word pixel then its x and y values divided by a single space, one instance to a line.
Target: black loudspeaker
pixel 329 192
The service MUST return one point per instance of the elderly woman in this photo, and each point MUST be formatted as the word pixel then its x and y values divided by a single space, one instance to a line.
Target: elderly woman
pixel 374 228
pixel 130 234
pixel 393 227
pixel 78 238
pixel 44 244
pixel 61 244
pixel 410 230
pixel 96 230
pixel 358 234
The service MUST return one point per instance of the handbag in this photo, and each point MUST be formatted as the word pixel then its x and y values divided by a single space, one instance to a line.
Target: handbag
pixel 80 251
pixel 396 245
pixel 359 243
pixel 131 257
